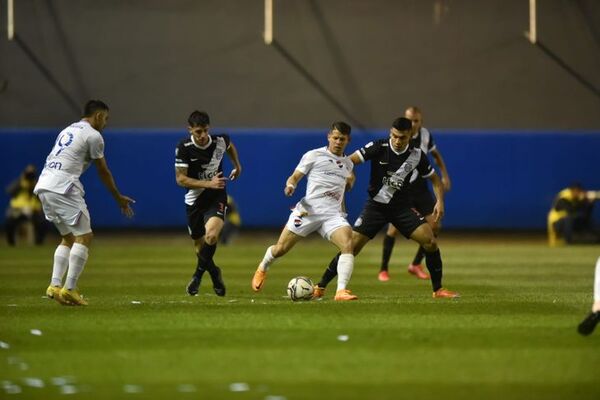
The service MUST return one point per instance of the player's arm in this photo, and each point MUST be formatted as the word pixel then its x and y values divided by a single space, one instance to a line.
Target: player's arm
pixel 233 156
pixel 439 161
pixel 350 182
pixel 438 190
pixel 292 182
pixel 357 158
pixel 217 181
pixel 108 181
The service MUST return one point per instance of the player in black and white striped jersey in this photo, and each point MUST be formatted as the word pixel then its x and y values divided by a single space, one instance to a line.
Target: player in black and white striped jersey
pixel 423 200
pixel 199 168
pixel 393 161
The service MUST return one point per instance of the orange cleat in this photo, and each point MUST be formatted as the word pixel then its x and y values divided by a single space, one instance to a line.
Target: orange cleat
pixel 318 292
pixel 383 276
pixel 445 293
pixel 417 270
pixel 258 280
pixel 344 295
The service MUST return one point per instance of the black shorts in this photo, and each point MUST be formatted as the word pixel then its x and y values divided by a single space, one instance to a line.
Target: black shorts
pixel 423 201
pixel 201 211
pixel 375 215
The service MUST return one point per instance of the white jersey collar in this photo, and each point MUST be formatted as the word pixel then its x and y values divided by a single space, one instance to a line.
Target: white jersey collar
pixel 398 152
pixel 202 147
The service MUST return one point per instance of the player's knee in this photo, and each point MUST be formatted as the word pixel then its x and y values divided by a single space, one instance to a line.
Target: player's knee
pixel 210 238
pixel 430 244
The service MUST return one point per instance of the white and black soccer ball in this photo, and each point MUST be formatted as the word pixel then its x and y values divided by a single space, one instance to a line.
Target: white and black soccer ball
pixel 300 288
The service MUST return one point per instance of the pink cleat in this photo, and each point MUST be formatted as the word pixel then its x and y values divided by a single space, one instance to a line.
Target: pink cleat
pixel 417 270
pixel 383 276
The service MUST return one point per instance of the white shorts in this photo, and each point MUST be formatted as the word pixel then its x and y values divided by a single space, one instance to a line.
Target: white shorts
pixel 326 224
pixel 68 212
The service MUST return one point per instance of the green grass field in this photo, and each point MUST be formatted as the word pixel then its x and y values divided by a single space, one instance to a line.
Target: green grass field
pixel 512 334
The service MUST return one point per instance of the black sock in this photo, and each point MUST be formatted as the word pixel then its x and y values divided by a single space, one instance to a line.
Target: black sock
pixel 330 272
pixel 205 260
pixel 388 246
pixel 434 265
pixel 419 256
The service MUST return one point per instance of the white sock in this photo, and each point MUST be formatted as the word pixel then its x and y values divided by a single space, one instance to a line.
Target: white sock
pixel 267 260
pixel 77 259
pixel 61 263
pixel 596 306
pixel 344 267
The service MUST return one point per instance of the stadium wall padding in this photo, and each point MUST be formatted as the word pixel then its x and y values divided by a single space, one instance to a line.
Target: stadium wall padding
pixel 500 179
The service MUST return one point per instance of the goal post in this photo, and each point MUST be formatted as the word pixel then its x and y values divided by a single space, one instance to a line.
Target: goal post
pixel 268 33
pixel 531 34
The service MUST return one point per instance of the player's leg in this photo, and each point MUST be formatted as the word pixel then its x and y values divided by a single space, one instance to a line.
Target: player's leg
pixel 423 202
pixel 197 230
pixel 358 242
pixel 423 235
pixel 60 262
pixel 342 238
pixel 588 325
pixel 213 227
pixel 78 257
pixel 367 225
pixel 287 240
pixel 388 245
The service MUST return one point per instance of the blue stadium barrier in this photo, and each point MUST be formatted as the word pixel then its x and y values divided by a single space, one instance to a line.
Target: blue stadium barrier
pixel 501 179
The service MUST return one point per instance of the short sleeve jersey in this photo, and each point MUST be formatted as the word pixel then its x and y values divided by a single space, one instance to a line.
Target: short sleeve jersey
pixel 202 162
pixel 75 147
pixel 326 174
pixel 424 141
pixel 391 171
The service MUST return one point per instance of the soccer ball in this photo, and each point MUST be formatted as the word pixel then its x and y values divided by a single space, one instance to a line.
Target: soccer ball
pixel 300 288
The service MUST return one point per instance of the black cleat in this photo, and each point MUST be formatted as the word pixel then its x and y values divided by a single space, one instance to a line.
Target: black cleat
pixel 588 325
pixel 217 279
pixel 194 286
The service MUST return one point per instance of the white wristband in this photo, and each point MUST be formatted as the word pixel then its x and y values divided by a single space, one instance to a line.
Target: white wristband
pixel 290 185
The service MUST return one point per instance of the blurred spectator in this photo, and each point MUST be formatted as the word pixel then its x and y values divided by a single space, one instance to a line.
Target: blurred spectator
pixel 24 213
pixel 233 222
pixel 570 219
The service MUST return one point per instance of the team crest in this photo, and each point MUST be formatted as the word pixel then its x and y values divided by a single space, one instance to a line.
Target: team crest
pixel 297 222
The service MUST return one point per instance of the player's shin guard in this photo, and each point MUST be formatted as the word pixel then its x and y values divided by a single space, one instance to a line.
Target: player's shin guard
pixel 330 272
pixel 388 246
pixel 267 259
pixel 205 257
pixel 434 265
pixel 61 263
pixel 77 259
pixel 345 268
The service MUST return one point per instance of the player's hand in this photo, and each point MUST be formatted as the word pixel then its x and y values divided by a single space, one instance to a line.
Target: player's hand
pixel 289 190
pixel 236 172
pixel 125 205
pixel 438 211
pixel 218 181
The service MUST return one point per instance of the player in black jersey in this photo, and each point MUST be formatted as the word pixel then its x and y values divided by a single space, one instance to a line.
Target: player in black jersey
pixel 199 168
pixel 423 200
pixel 393 161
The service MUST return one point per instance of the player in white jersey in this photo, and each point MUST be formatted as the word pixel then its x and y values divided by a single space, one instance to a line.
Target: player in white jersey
pixel 329 173
pixel 587 326
pixel 61 194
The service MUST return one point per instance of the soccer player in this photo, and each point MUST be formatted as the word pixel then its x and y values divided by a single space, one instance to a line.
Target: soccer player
pixel 423 201
pixel 199 168
pixel 61 194
pixel 587 326
pixel 329 174
pixel 393 161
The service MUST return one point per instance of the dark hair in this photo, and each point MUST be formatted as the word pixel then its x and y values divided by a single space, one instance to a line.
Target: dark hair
pixel 342 127
pixel 198 118
pixel 92 106
pixel 402 124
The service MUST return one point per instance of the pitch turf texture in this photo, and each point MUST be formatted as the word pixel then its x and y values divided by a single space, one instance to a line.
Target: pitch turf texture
pixel 512 334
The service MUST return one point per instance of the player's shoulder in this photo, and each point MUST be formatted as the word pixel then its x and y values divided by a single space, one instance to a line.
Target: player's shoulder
pixel 376 145
pixel 185 142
